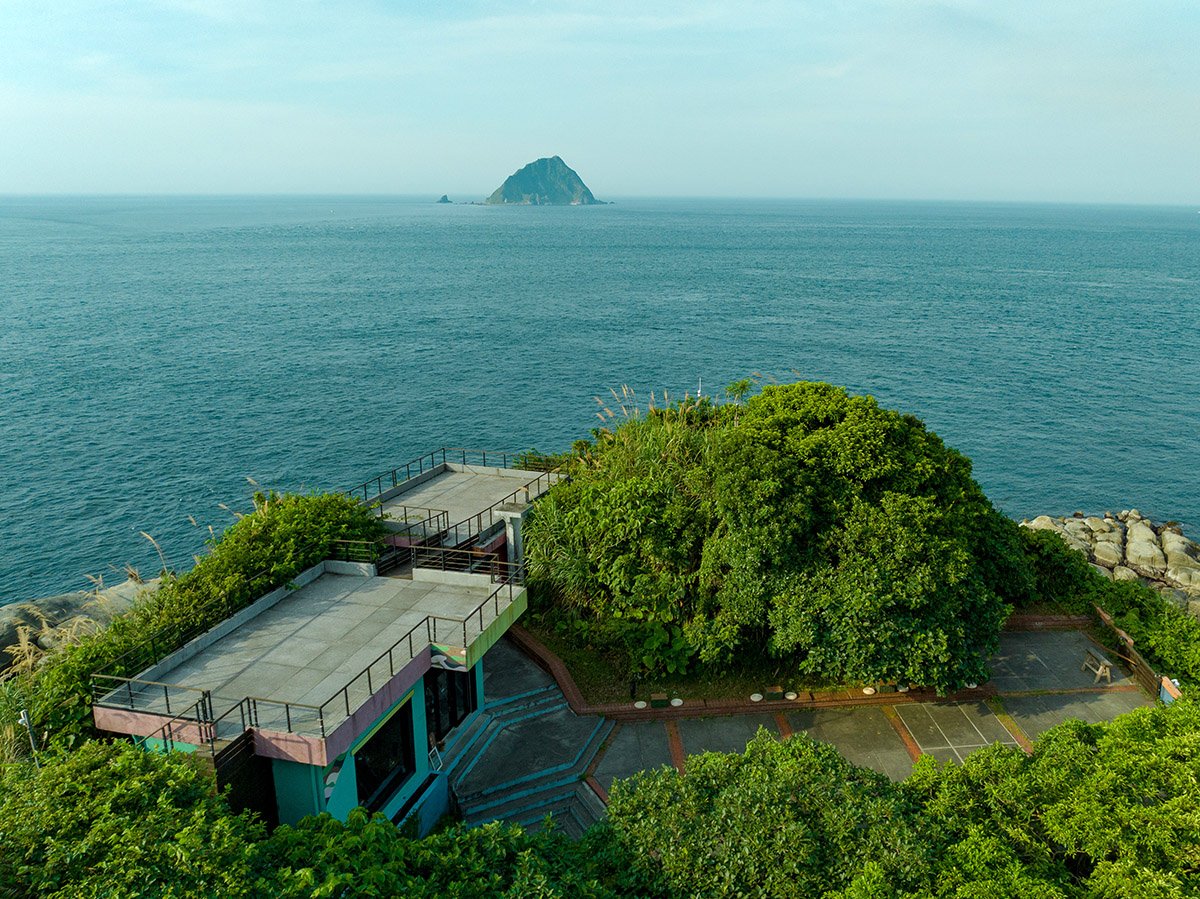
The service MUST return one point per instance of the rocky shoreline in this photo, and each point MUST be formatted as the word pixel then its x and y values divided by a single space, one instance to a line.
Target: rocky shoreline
pixel 51 620
pixel 1128 547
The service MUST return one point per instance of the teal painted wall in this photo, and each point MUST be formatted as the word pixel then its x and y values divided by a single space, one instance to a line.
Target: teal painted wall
pixel 299 790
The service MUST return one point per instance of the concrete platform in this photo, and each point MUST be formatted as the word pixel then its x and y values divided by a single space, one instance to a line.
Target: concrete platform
pixel 1036 714
pixel 509 672
pixel 729 734
pixel 642 746
pixel 465 491
pixel 862 735
pixel 1047 660
pixel 319 638
pixel 951 731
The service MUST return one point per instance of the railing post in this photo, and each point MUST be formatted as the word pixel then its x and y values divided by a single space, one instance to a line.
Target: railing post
pixel 129 691
pixel 287 714
pixel 346 696
pixel 167 698
pixel 321 720
pixel 370 688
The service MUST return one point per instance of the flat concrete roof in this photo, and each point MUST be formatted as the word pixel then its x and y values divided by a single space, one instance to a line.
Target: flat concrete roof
pixel 316 640
pixel 464 491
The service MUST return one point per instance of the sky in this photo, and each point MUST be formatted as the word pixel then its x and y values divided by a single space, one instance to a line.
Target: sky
pixel 1054 100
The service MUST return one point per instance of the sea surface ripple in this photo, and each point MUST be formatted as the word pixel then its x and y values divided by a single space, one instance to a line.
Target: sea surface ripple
pixel 157 352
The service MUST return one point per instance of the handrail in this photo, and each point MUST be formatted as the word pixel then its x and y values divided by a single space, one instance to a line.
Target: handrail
pixel 138 688
pixel 550 478
pixel 202 710
pixel 391 479
pixel 248 713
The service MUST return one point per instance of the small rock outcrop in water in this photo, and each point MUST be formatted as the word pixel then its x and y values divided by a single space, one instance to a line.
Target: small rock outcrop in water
pixel 545 182
pixel 52 619
pixel 444 199
pixel 1128 547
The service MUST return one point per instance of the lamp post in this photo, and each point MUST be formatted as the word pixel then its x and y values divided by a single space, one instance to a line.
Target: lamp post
pixel 24 719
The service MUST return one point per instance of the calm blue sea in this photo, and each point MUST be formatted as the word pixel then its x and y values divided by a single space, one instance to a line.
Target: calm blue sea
pixel 156 352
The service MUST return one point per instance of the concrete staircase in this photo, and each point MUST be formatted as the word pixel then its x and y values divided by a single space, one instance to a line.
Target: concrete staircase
pixel 524 757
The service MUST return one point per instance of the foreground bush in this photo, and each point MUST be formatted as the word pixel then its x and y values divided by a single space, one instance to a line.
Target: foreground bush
pixel 115 821
pixel 1098 810
pixel 809 525
pixel 785 819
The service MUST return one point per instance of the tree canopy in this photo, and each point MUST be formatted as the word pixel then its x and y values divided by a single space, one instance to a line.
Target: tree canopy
pixel 806 524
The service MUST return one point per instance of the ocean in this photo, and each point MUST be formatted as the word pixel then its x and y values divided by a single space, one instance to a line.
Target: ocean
pixel 158 352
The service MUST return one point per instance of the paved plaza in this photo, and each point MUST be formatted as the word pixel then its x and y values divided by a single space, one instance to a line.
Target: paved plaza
pixel 1036 676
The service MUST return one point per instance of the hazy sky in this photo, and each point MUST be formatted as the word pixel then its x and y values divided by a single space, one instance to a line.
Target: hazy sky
pixel 971 99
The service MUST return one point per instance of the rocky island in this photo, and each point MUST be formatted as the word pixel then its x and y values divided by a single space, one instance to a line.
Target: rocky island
pixel 544 182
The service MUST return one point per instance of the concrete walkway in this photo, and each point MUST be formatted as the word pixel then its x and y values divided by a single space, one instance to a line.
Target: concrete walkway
pixel 1036 674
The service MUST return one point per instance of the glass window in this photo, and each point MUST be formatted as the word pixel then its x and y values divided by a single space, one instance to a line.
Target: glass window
pixel 449 698
pixel 386 760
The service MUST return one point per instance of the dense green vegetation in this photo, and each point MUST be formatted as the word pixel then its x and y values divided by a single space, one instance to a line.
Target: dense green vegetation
pixel 112 820
pixel 806 525
pixel 1097 810
pixel 854 526
pixel 263 550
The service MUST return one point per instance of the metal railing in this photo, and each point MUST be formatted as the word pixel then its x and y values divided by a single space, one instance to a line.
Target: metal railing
pixel 389 480
pixel 465 532
pixel 148 695
pixel 318 720
pixel 196 719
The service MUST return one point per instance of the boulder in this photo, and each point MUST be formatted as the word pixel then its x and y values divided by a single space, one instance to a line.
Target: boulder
pixel 1101 570
pixel 1099 525
pixel 1146 557
pixel 1174 542
pixel 1107 553
pixel 1045 523
pixel 1121 573
pixel 52 620
pixel 1188 577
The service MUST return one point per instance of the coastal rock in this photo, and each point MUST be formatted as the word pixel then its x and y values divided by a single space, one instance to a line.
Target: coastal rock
pixel 1107 553
pixel 1146 557
pixel 53 620
pixel 1129 547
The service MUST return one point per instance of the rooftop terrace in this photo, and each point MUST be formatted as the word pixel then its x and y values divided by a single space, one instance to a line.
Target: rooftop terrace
pixel 315 662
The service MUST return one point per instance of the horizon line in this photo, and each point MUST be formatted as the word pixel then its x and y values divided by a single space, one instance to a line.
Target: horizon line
pixel 384 195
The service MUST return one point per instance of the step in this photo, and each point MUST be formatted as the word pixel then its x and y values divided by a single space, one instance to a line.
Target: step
pixel 500 793
pixel 575 804
pixel 566 822
pixel 500 721
pixel 521 698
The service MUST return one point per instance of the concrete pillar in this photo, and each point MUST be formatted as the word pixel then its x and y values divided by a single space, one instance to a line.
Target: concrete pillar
pixel 514 516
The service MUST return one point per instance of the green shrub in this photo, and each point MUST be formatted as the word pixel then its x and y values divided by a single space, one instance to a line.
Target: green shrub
pixel 807 524
pixel 784 819
pixel 367 856
pixel 112 820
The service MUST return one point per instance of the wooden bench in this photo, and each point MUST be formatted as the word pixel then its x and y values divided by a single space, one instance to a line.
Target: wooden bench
pixel 1093 661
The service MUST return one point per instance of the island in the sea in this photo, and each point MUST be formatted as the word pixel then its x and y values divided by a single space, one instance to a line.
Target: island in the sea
pixel 544 182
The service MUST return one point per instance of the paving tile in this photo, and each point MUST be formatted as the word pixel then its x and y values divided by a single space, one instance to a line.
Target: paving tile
pixel 726 734
pixel 863 735
pixel 640 746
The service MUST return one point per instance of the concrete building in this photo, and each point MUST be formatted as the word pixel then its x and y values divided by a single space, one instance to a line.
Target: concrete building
pixel 341 688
